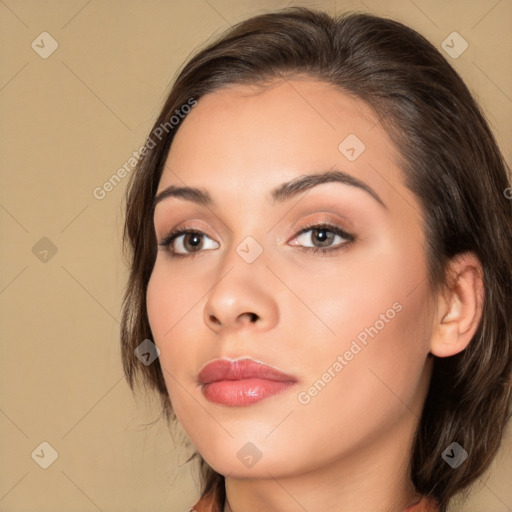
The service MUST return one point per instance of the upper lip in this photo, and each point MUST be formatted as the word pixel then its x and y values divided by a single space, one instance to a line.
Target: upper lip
pixel 225 369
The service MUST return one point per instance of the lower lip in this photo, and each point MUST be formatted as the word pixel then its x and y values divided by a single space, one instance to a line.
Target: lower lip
pixel 242 392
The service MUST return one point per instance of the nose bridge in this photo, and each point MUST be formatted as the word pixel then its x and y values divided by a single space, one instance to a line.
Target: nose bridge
pixel 247 247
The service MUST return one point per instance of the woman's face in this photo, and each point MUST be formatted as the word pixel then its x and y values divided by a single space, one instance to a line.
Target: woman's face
pixel 350 325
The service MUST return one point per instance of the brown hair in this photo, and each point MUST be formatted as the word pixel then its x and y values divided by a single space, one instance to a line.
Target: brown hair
pixel 450 161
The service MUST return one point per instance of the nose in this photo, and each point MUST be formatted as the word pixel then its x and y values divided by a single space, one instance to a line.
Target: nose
pixel 242 300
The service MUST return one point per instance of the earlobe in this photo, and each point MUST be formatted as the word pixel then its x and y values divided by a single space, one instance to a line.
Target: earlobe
pixel 459 308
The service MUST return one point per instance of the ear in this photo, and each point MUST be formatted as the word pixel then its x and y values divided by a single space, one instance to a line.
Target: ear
pixel 459 308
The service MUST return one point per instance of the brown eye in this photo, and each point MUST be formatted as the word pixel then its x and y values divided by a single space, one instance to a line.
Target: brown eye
pixel 322 237
pixel 187 241
pixel 192 242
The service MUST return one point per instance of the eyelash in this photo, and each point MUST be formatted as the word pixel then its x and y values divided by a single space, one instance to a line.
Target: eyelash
pixel 333 228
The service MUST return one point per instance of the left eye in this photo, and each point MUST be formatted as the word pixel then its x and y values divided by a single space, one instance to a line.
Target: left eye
pixel 324 236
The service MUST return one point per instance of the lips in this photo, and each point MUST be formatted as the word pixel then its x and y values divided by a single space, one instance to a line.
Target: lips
pixel 223 369
pixel 242 382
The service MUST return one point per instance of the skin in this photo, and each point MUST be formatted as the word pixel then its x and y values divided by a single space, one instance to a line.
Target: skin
pixel 348 449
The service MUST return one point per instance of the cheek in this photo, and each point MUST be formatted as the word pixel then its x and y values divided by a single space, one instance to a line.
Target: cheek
pixel 378 370
pixel 171 300
pixel 385 274
pixel 377 308
pixel 159 299
pixel 171 304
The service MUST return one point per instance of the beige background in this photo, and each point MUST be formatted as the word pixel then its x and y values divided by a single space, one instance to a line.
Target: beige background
pixel 68 123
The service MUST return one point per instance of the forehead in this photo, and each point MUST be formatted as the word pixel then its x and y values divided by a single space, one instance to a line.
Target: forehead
pixel 254 138
pixel 292 111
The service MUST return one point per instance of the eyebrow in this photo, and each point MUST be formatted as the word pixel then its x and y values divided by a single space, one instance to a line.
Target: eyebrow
pixel 281 193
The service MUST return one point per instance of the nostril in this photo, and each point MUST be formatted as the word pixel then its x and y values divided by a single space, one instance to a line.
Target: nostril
pixel 214 319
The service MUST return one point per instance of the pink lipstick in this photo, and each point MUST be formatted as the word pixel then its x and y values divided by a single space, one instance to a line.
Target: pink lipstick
pixel 241 382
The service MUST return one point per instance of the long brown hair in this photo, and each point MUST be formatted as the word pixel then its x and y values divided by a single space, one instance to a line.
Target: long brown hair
pixel 450 161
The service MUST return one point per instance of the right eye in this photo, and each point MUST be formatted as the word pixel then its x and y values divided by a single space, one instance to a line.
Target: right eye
pixel 183 242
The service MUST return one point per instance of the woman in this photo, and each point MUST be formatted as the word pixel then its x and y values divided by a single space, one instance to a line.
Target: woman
pixel 319 237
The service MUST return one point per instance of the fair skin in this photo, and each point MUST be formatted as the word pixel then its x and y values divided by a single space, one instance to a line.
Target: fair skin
pixel 348 448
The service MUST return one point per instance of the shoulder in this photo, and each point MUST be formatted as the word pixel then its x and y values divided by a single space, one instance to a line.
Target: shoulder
pixel 425 505
pixel 208 503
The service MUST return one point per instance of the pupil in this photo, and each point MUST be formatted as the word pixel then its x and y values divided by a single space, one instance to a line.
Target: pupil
pixel 321 235
pixel 196 238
